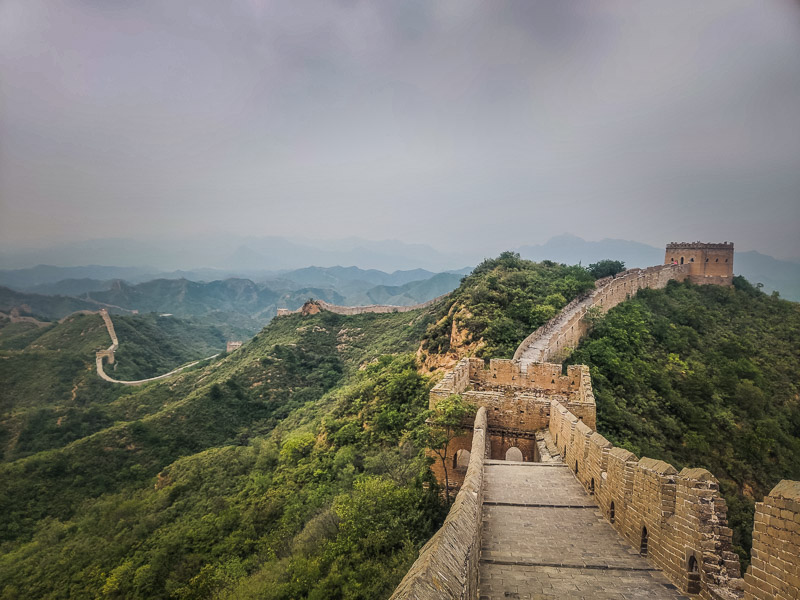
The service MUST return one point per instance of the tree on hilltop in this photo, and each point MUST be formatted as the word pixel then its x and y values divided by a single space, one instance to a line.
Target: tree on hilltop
pixel 605 268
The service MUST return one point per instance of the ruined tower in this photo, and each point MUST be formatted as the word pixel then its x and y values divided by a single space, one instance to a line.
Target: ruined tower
pixel 708 263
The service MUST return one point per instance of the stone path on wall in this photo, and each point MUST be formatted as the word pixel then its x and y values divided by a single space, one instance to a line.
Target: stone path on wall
pixel 535 351
pixel 545 538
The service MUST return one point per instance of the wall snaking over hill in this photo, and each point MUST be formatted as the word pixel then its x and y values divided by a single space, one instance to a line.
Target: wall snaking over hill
pixel 678 520
pixel 108 354
pixel 555 338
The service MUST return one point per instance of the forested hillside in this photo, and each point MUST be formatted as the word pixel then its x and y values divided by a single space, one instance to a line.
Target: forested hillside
pixel 704 376
pixel 498 305
pixel 285 466
pixel 44 307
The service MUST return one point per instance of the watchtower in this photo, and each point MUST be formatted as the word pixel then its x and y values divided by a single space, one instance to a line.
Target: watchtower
pixel 708 263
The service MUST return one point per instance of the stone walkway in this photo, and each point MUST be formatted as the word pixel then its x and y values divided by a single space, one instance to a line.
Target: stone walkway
pixel 545 538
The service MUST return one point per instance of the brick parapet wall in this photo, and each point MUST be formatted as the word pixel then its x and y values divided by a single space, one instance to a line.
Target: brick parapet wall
pixel 774 570
pixel 454 381
pixel 518 412
pixel 684 513
pixel 517 399
pixel 503 372
pixel 447 567
pixel 562 333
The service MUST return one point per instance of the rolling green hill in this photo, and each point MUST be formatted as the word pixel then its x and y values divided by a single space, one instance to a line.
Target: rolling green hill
pixel 45 307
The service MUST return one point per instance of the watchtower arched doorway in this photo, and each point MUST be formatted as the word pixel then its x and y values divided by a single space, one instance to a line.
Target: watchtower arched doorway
pixel 514 454
pixel 461 459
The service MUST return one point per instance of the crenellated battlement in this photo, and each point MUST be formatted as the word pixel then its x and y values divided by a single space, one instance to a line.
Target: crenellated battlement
pixel 700 245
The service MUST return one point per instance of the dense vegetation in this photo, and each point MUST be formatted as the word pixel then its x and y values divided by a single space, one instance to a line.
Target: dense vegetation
pixel 704 376
pixel 284 470
pixel 503 301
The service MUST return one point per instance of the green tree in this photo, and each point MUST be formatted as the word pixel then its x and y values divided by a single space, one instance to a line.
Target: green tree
pixel 445 422
pixel 605 268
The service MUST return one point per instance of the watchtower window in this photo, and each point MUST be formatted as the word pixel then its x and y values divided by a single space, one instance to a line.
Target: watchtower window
pixel 612 513
pixel 681 260
pixel 591 487
pixel 643 545
pixel 693 565
pixel 716 260
pixel 706 260
pixel 726 260
pixel 693 585
pixel 691 259
pixel 576 467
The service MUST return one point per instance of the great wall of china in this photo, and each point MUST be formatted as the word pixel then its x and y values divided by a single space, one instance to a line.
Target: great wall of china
pixel 108 354
pixel 548 508
pixel 359 310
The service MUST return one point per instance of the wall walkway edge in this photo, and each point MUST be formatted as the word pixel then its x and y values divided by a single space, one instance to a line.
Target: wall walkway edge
pixel 447 567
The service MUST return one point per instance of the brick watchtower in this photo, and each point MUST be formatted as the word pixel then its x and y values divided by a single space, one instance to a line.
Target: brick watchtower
pixel 709 263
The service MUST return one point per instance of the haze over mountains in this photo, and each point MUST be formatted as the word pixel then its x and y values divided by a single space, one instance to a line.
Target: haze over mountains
pixel 62 269
pixel 239 304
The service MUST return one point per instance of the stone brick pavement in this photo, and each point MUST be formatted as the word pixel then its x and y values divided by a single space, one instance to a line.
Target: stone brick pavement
pixel 545 538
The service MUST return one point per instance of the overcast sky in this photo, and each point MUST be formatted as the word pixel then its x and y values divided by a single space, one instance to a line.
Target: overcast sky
pixel 450 123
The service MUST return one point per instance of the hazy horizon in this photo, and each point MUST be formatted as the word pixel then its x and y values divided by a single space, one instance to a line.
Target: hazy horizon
pixel 471 127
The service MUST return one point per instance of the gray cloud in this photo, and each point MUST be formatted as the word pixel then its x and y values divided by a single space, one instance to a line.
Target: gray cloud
pixel 452 123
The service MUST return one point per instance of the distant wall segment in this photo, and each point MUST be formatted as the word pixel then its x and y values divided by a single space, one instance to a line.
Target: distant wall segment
pixel 108 355
pixel 356 310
